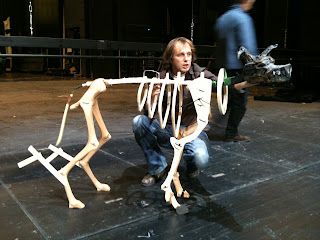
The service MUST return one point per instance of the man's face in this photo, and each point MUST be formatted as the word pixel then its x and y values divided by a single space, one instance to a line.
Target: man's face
pixel 181 58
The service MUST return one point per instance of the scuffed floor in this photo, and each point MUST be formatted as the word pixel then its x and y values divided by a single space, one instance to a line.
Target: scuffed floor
pixel 268 188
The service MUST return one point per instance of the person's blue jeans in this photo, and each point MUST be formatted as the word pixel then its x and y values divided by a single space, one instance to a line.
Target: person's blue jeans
pixel 150 137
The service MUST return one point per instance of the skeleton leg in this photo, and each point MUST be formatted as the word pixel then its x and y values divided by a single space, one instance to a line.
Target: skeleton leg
pixel 178 186
pixel 105 136
pixel 91 145
pixel 166 186
pixel 200 91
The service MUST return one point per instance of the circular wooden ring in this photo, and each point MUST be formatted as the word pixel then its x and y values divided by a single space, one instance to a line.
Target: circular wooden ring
pixel 222 92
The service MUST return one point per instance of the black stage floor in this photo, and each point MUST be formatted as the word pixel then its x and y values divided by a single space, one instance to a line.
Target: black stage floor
pixel 268 188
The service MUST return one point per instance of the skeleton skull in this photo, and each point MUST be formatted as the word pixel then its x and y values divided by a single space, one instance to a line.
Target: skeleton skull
pixel 261 68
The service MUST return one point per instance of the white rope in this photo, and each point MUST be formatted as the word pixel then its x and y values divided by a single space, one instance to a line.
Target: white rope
pixel 192 23
pixel 30 14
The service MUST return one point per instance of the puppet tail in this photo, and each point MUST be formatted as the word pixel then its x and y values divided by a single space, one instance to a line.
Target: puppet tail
pixel 64 119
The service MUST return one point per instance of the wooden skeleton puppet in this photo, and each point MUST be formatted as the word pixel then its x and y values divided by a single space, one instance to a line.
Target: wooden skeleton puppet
pixel 200 89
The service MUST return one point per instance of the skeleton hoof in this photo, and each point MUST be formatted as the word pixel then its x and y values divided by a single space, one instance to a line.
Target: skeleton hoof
pixel 76 204
pixel 103 188
pixel 186 194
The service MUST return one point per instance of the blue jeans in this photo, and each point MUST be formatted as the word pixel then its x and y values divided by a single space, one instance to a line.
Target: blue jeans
pixel 150 137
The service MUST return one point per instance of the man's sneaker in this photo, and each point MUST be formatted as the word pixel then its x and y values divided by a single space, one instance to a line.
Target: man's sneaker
pixel 237 138
pixel 149 180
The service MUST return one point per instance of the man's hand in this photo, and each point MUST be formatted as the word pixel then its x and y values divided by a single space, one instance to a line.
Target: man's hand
pixel 155 91
pixel 245 84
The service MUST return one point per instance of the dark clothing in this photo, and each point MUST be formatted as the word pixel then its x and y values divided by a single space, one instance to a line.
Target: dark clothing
pixel 234 29
pixel 151 137
pixel 237 106
pixel 189 115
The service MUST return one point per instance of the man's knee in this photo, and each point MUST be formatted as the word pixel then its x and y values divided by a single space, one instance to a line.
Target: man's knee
pixel 138 122
pixel 201 158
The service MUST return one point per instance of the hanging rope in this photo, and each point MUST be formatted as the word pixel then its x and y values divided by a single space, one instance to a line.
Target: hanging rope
pixel 192 23
pixel 30 14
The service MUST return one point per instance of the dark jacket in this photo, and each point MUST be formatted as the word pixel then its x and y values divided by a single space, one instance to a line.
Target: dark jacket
pixel 189 115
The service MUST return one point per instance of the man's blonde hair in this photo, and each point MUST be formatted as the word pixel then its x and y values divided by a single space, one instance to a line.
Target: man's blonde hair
pixel 168 52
